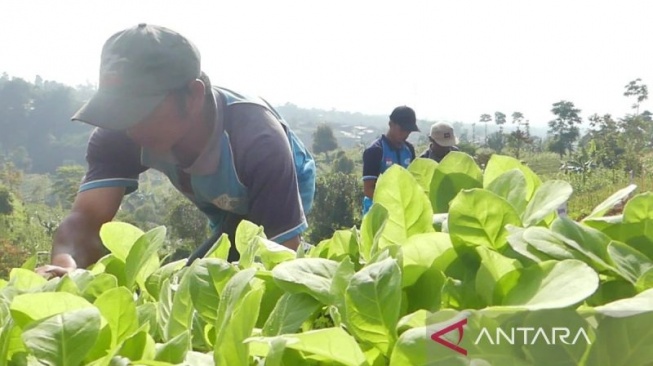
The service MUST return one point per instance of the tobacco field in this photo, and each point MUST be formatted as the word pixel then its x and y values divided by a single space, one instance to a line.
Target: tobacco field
pixel 443 242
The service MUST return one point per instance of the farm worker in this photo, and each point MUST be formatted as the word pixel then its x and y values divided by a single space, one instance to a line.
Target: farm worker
pixel 233 156
pixel 390 148
pixel 443 140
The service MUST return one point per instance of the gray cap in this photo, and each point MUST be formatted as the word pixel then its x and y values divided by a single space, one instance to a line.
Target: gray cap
pixel 138 69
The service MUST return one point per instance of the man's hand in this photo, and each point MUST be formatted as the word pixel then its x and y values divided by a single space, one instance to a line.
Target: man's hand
pixel 50 271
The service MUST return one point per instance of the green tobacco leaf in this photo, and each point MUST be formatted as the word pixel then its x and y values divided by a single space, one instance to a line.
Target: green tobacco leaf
pixel 548 285
pixel 270 298
pixel 519 245
pixel 118 308
pixel 174 351
pixel 550 244
pixel 639 304
pixel 556 352
pixel 155 280
pixel 548 197
pixel 239 305
pixel 307 275
pixel 99 285
pixel 373 301
pixel 181 312
pixel 409 210
pixel 27 308
pixel 272 253
pixel 339 284
pixel 419 253
pixel 457 171
pixel 164 309
pixel 30 263
pixel 645 281
pixel 65 338
pixel 493 267
pixel 289 313
pixel 499 164
pixel 119 237
pixel 343 243
pixel 139 346
pixel 247 234
pixel 220 248
pixel 423 169
pixel 589 241
pixel 147 314
pixel 6 327
pixel 623 341
pixel 510 186
pixel 638 223
pixel 629 262
pixel 426 292
pixel 479 217
pixel 116 268
pixel 371 229
pixel 328 346
pixel 207 278
pixel 24 279
pixel 611 290
pixel 142 259
pixel 611 202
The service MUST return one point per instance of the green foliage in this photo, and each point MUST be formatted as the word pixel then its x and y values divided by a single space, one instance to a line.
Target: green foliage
pixel 323 139
pixel 6 201
pixel 336 205
pixel 503 259
pixel 343 164
pixel 563 128
pixel 66 181
pixel 186 222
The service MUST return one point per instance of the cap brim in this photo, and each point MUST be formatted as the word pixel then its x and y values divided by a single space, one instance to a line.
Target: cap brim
pixel 446 142
pixel 411 128
pixel 117 112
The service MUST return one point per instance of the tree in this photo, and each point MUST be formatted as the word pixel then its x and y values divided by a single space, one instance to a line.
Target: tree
pixel 563 128
pixel 6 201
pixel 187 222
pixel 337 205
pixel 324 140
pixel 639 90
pixel 604 134
pixel 500 120
pixel 343 164
pixel 66 183
pixel 518 137
pixel 485 118
pixel 496 142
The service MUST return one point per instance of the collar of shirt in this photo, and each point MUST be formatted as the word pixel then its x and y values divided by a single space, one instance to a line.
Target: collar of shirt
pixel 207 161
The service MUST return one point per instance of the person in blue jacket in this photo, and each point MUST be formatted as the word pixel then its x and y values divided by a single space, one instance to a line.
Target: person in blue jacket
pixel 391 148
pixel 233 156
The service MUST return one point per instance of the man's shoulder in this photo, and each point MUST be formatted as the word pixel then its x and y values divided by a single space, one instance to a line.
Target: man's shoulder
pixel 375 144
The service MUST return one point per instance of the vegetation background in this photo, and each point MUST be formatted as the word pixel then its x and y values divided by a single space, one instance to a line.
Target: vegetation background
pixel 42 160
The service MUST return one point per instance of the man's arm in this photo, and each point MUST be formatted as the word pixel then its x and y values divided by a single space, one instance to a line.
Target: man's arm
pixel 113 169
pixel 77 241
pixel 368 187
pixel 371 169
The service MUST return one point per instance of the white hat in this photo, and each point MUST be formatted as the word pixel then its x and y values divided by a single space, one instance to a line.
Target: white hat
pixel 443 134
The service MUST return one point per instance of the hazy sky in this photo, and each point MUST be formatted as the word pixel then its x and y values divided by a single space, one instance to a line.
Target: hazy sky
pixel 450 60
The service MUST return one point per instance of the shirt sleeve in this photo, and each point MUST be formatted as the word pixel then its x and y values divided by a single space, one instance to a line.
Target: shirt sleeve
pixel 372 162
pixel 265 163
pixel 113 161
